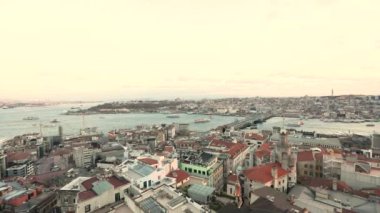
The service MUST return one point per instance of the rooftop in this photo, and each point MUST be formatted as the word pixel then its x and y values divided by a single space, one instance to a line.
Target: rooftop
pixel 201 189
pixel 179 175
pixel 305 156
pixel 263 173
pixel 148 161
pixel 143 170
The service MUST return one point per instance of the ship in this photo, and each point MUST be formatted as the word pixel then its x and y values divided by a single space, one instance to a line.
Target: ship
pixel 172 116
pixel 54 121
pixel 30 118
pixel 202 120
pixel 370 125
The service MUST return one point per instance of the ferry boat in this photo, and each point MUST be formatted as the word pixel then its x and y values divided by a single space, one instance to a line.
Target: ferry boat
pixel 172 116
pixel 202 120
pixel 30 118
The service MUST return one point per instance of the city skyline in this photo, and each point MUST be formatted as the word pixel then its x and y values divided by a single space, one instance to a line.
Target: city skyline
pixel 94 50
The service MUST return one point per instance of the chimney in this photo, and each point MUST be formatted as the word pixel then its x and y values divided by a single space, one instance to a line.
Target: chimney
pixel 335 184
pixel 274 172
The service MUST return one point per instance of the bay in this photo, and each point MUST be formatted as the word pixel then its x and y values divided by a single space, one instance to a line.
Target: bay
pixel 12 123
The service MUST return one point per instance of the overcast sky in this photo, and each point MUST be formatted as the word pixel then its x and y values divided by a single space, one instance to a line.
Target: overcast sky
pixel 111 49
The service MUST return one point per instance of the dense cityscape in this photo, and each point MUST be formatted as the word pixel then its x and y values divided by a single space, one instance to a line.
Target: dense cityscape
pixel 185 106
pixel 167 167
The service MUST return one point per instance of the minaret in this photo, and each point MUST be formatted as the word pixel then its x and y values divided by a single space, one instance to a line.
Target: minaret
pixel 332 92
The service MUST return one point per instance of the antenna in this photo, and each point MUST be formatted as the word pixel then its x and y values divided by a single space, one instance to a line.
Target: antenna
pixel 283 122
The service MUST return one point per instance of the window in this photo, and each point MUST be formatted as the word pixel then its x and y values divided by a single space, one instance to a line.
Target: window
pixel 230 190
pixel 195 171
pixel 305 165
pixel 305 172
pixel 204 173
pixel 117 197
pixel 74 200
pixel 87 208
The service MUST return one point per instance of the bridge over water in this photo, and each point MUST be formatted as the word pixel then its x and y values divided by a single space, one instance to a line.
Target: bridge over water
pixel 248 121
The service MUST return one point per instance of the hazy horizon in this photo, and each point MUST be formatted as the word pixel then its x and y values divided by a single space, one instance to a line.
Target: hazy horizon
pixel 120 50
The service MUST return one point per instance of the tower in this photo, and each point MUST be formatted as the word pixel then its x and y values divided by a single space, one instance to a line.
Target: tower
pixel 332 92
pixel 287 158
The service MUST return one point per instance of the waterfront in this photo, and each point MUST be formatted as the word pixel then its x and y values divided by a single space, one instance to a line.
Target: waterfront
pixel 322 127
pixel 12 123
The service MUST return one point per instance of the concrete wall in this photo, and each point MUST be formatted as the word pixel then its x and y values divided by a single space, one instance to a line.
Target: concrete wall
pixel 359 180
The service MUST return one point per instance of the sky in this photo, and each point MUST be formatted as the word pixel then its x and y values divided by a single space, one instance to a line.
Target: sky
pixel 138 49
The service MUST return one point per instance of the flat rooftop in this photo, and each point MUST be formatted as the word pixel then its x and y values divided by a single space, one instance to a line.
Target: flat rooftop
pixel 75 184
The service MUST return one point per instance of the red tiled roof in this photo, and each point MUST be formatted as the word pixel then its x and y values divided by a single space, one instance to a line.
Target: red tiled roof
pixel 179 175
pixel 266 146
pixel 254 136
pixel 117 182
pixel 263 173
pixel 148 161
pixel 87 184
pixel 169 149
pixel 325 183
pixel 262 153
pixel 232 178
pixel 305 156
pixel 85 195
pixel 233 148
pixel 16 156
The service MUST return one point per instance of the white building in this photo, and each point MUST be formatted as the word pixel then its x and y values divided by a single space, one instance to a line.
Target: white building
pixel 84 157
pixel 85 194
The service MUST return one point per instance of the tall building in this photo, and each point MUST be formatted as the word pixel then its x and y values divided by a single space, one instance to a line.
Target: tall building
pixel 288 159
pixel 84 157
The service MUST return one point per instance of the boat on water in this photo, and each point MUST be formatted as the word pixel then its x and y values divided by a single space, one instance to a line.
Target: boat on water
pixel 54 121
pixel 30 118
pixel 172 116
pixel 370 125
pixel 202 120
pixel 48 125
pixel 293 125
